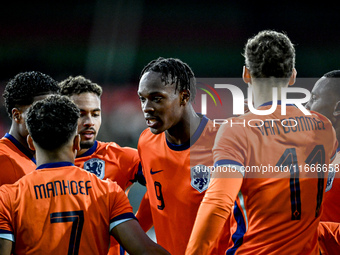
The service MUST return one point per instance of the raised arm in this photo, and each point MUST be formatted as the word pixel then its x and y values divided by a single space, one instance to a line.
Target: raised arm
pixel 213 212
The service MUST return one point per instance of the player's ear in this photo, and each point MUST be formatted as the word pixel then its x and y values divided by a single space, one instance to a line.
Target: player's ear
pixel 246 75
pixel 292 77
pixel 76 142
pixel 16 115
pixel 30 143
pixel 185 97
pixel 336 112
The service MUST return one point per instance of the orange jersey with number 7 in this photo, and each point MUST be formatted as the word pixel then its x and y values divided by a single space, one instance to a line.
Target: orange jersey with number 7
pixel 61 209
pixel 176 180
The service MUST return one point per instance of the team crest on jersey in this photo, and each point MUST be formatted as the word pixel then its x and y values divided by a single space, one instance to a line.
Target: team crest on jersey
pixel 200 177
pixel 330 179
pixel 95 166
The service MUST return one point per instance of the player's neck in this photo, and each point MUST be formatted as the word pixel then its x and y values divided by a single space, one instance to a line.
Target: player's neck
pixel 21 139
pixel 81 152
pixel 183 130
pixel 45 157
pixel 263 92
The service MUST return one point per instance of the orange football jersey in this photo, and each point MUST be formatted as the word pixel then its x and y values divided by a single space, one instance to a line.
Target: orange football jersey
pixel 278 207
pixel 15 160
pixel 119 164
pixel 61 209
pixel 109 160
pixel 176 180
pixel 329 237
pixel 331 203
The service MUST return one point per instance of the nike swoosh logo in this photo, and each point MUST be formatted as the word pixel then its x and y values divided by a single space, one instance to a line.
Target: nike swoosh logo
pixel 155 172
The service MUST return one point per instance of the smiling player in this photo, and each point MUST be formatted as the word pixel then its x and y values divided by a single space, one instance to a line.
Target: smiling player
pixel 325 99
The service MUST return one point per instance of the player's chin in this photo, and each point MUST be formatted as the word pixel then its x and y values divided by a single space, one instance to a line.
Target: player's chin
pixel 157 130
pixel 86 144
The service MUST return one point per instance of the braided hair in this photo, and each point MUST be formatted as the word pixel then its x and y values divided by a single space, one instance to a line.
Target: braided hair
pixel 174 71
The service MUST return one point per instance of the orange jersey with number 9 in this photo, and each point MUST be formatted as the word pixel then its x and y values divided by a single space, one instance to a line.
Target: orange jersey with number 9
pixel 176 180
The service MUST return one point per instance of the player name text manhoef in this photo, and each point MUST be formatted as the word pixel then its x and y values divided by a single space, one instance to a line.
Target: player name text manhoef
pixel 63 187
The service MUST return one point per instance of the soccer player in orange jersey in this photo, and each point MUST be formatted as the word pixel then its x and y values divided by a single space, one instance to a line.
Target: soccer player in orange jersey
pixel 329 237
pixel 325 99
pixel 16 159
pixel 174 151
pixel 61 208
pixel 104 159
pixel 277 208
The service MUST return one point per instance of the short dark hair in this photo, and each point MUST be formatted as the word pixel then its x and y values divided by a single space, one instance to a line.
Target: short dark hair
pixel 174 70
pixel 53 121
pixel 334 81
pixel 21 90
pixel 332 74
pixel 270 54
pixel 78 85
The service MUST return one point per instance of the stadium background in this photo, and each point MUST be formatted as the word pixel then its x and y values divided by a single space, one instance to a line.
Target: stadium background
pixel 110 42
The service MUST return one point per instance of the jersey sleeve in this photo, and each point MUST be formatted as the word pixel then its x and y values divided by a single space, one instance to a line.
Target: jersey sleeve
pixel 130 163
pixel 6 229
pixel 329 237
pixel 6 170
pixel 139 176
pixel 230 152
pixel 213 213
pixel 230 148
pixel 120 208
pixel 143 214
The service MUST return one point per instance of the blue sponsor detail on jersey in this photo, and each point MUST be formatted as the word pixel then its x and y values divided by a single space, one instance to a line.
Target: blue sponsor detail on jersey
pixel 200 177
pixel 95 166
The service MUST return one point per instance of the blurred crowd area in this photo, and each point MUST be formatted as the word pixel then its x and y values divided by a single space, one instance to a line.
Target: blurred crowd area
pixel 122 117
